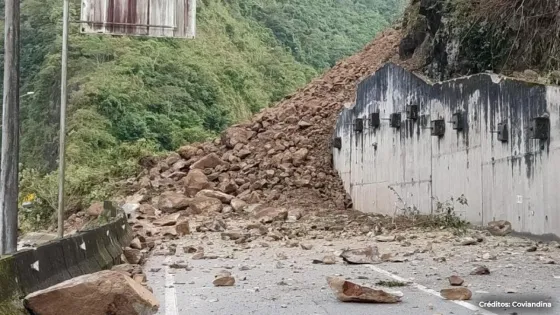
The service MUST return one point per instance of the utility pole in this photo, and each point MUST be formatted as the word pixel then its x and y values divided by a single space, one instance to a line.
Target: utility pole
pixel 9 163
pixel 63 99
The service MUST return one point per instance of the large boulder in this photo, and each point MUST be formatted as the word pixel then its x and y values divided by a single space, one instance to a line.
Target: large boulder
pixel 171 202
pixel 195 181
pixel 102 293
pixel 209 161
pixel 206 205
pixel 235 135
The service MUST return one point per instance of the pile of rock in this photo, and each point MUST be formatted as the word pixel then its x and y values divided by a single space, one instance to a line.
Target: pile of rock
pixel 282 156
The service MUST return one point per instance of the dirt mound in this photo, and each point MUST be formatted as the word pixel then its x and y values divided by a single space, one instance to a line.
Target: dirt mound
pixel 282 156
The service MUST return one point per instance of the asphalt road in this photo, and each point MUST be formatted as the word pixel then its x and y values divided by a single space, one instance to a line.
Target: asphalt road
pixel 268 284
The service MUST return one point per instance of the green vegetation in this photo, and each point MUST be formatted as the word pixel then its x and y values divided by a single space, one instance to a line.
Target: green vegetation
pixel 131 97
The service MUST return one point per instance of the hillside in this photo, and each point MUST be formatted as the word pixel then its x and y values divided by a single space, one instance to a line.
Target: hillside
pixel 131 97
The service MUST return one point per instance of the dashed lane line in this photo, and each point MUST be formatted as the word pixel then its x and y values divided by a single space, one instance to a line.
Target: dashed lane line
pixel 170 294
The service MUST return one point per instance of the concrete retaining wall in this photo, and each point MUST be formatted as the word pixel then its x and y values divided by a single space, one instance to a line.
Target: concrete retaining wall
pixel 502 172
pixel 51 263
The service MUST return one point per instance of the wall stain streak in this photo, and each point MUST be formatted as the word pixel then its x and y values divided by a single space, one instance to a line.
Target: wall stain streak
pixel 471 162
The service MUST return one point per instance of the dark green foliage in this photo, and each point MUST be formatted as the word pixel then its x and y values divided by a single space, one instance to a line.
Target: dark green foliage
pixel 319 33
pixel 129 97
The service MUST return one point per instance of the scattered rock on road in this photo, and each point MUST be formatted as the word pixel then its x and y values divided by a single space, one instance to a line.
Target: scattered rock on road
pixel 306 246
pixel 347 291
pixel 459 294
pixel 224 279
pixel 105 292
pixel 329 260
pixel 385 238
pixel 455 280
pixel 367 255
pixel 480 270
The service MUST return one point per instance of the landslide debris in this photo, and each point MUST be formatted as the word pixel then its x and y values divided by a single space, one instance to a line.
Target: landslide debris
pixel 281 157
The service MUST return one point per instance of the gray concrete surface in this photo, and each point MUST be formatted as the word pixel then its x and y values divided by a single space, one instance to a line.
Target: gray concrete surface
pixel 273 285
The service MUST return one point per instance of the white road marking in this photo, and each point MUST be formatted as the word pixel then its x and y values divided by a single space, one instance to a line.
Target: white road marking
pixel 170 294
pixel 431 291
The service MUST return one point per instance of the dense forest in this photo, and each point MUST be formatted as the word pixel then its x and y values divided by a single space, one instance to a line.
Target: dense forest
pixel 136 96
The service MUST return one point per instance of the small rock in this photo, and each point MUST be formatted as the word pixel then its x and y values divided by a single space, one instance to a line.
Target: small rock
pixel 95 209
pixel 293 215
pixel 306 246
pixel 329 260
pixel 179 265
pixel 468 241
pixel 532 249
pixel 183 227
pixel 133 256
pixel 198 256
pixel 238 205
pixel 136 244
pixel 510 291
pixel 140 278
pixel 460 294
pixel 455 280
pixel 488 256
pixel 190 249
pixel 224 279
pixel 499 228
pixel 347 291
pixel 385 238
pixel 366 255
pixel 480 270
pixel 209 161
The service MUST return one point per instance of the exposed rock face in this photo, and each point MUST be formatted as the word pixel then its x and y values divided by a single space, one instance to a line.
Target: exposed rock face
pixel 102 293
